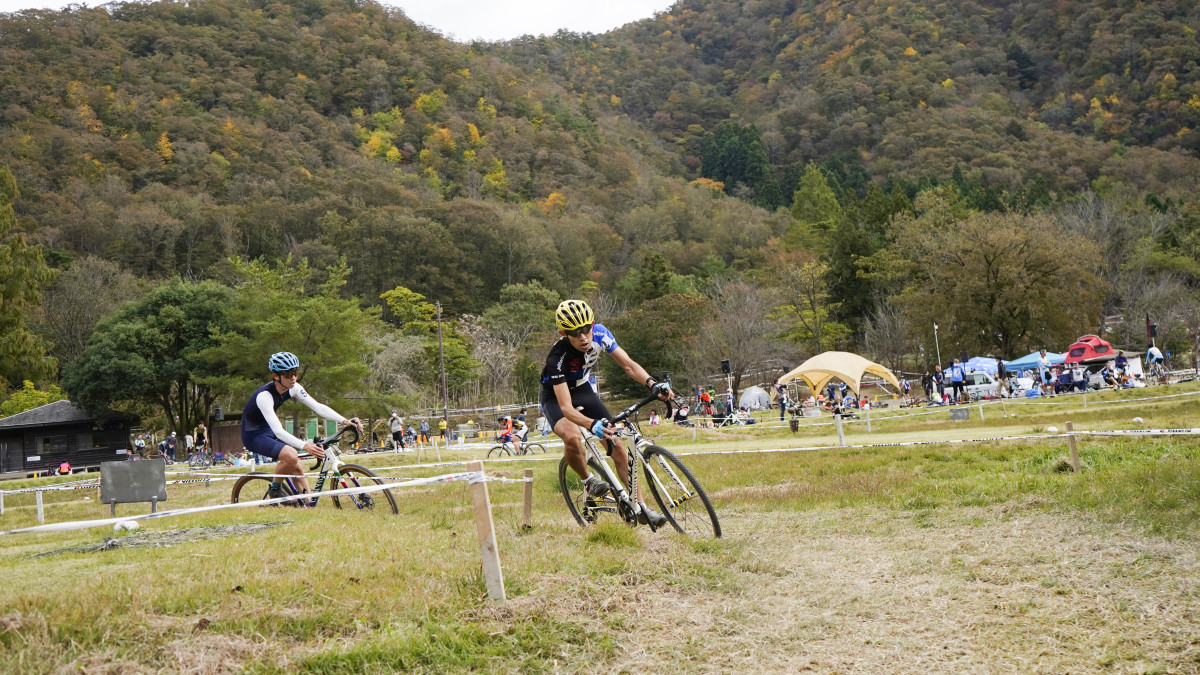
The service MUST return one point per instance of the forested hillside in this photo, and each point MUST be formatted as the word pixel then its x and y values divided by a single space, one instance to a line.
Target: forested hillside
pixel 1028 96
pixel 757 181
pixel 167 137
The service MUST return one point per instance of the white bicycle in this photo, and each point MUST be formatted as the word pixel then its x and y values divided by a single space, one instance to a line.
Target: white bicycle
pixel 677 492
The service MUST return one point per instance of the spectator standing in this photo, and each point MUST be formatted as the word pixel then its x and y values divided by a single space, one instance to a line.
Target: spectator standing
pixel 957 376
pixel 424 431
pixel 442 428
pixel 927 385
pixel 139 447
pixel 189 445
pixel 172 441
pixel 1001 378
pixel 1044 373
pixel 396 425
pixel 782 395
pixel 939 383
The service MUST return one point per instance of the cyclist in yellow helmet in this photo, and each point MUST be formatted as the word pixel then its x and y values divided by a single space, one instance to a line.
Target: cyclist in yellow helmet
pixel 569 399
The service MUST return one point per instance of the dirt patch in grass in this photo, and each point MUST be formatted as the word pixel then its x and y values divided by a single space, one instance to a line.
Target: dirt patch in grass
pixel 1006 588
pixel 164 538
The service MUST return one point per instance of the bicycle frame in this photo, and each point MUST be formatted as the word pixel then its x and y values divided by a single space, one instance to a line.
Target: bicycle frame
pixel 331 463
pixel 629 507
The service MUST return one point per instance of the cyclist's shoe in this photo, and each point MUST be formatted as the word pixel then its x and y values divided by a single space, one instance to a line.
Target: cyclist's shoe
pixel 275 491
pixel 596 487
pixel 651 517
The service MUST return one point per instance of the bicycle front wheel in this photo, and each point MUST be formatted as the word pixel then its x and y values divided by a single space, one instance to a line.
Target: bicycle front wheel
pixel 353 475
pixel 498 451
pixel 532 447
pixel 679 494
pixel 583 507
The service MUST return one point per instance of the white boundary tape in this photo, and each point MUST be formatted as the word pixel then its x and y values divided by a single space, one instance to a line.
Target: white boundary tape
pixel 471 476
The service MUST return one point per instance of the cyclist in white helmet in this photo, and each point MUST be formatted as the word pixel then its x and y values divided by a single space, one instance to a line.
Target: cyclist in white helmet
pixel 568 386
pixel 262 431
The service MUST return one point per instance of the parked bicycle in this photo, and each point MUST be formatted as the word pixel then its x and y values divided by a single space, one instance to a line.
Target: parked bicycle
pixel 678 494
pixel 506 448
pixel 253 486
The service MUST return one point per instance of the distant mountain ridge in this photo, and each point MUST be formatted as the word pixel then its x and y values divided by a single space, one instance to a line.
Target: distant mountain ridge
pixel 1064 92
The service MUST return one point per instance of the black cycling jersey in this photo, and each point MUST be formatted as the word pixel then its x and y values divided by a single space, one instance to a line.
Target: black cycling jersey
pixel 567 364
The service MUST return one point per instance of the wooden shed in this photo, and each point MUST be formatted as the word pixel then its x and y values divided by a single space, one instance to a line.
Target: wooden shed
pixel 40 439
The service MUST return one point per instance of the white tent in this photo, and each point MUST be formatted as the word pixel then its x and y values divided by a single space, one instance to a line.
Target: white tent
pixel 847 367
pixel 754 398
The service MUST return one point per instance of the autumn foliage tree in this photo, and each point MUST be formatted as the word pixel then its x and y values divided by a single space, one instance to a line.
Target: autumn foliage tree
pixel 997 282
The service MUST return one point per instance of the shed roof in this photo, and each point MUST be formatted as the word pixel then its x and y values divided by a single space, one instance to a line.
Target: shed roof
pixel 58 412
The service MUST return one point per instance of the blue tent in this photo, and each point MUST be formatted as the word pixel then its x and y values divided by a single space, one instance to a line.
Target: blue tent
pixel 1030 361
pixel 982 365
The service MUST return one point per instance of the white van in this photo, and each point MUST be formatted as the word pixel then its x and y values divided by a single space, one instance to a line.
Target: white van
pixel 978 384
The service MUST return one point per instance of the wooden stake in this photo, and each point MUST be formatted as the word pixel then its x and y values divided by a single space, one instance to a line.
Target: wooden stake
pixel 841 435
pixel 527 510
pixel 868 411
pixel 493 576
pixel 980 412
pixel 1074 450
pixel 41 514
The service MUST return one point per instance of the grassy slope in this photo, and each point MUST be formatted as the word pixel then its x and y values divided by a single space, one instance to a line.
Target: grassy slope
pixel 972 557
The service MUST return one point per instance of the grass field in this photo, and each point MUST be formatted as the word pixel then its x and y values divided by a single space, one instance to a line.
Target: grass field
pixel 971 557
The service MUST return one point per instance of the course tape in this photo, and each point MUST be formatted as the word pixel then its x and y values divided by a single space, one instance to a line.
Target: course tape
pixel 85 524
pixel 1141 432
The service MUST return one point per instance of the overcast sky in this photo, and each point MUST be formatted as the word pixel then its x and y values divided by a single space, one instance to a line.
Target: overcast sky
pixel 465 20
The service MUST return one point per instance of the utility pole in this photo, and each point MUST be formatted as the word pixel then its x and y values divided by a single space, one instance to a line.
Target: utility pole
pixel 936 345
pixel 442 363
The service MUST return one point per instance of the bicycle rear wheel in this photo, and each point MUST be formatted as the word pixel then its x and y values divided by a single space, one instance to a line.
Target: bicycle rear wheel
pixel 353 475
pixel 499 451
pixel 679 494
pixel 253 487
pixel 532 447
pixel 583 507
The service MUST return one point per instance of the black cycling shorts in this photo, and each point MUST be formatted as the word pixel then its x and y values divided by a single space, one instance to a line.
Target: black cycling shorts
pixel 584 398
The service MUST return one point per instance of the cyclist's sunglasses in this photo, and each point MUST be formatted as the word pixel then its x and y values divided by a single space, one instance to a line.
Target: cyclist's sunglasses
pixel 294 372
pixel 579 331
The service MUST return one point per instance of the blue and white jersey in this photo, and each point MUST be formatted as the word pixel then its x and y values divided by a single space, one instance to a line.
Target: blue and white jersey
pixel 567 364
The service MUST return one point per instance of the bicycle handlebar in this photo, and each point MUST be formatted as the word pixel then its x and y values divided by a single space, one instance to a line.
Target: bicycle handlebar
pixel 624 414
pixel 330 440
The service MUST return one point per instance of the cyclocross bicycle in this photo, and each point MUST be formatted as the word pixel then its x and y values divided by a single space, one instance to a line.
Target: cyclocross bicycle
pixel 200 458
pixel 506 448
pixel 677 492
pixel 253 486
pixel 1159 372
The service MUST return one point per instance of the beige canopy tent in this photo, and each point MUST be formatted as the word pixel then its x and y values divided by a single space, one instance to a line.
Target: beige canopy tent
pixel 847 367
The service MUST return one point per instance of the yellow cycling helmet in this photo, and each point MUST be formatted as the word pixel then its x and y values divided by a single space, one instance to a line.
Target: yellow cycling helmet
pixel 573 315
